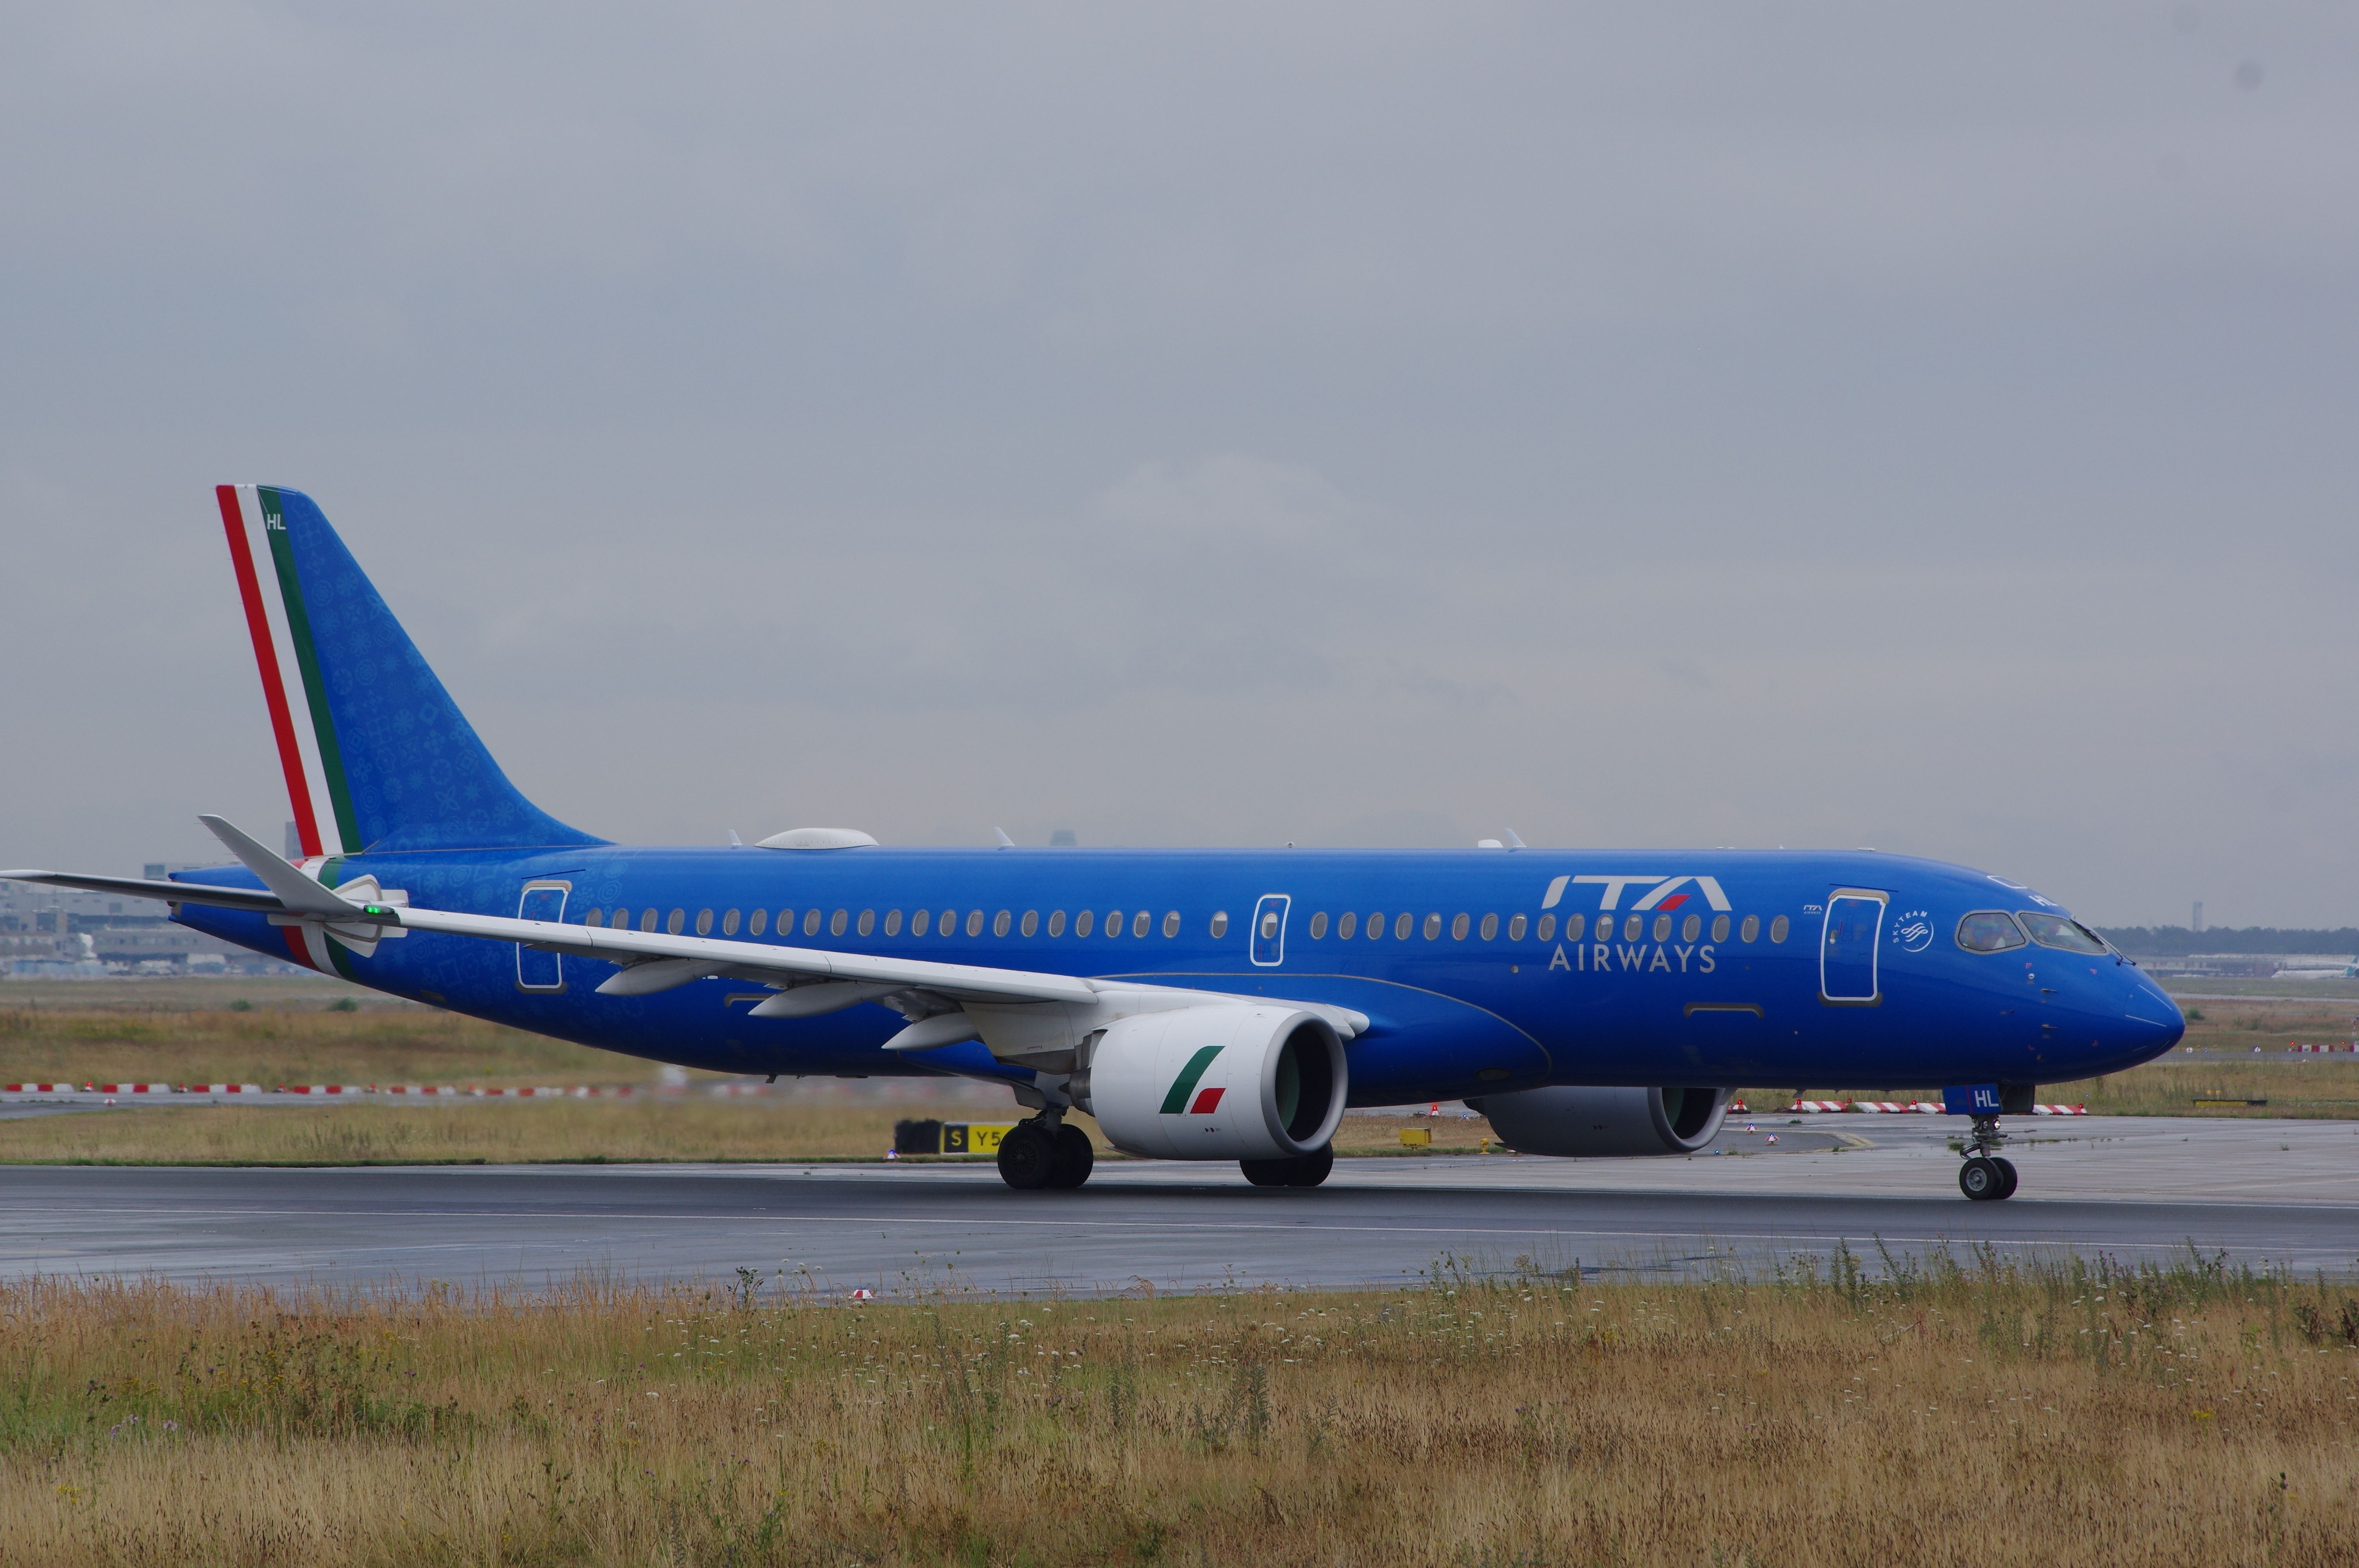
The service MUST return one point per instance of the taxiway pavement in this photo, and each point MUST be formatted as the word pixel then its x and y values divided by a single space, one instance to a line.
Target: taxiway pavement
pixel 2136 1188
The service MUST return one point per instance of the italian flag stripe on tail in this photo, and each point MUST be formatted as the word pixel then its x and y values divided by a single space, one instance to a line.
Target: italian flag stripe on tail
pixel 271 586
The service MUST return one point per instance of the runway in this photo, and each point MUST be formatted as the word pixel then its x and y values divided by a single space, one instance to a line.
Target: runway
pixel 2264 1193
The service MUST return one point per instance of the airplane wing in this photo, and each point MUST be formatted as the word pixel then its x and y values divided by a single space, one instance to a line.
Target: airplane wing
pixel 810 980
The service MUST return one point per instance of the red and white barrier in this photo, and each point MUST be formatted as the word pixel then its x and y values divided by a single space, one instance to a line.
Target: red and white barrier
pixel 1914 1108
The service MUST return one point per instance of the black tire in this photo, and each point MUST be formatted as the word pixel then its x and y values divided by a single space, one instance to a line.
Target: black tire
pixel 1981 1180
pixel 1310 1170
pixel 1265 1173
pixel 2007 1177
pixel 1027 1157
pixel 1076 1157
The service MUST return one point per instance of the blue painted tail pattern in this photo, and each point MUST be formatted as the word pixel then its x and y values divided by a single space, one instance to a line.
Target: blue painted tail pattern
pixel 376 755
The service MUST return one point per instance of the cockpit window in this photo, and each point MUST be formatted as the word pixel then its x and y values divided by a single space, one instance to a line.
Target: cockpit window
pixel 1988 931
pixel 2055 931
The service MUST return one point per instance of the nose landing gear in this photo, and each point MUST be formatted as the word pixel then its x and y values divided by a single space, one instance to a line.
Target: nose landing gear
pixel 1986 1176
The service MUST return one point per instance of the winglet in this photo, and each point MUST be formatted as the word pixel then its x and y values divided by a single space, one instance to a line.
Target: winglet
pixel 1513 842
pixel 298 892
pixel 1005 841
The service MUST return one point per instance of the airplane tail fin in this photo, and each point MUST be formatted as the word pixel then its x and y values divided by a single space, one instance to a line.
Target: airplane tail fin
pixel 377 757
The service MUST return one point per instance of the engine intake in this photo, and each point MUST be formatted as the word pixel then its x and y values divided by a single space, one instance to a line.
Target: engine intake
pixel 1599 1121
pixel 1226 1081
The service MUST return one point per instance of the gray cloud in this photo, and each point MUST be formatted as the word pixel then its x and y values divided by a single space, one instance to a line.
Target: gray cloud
pixel 1362 424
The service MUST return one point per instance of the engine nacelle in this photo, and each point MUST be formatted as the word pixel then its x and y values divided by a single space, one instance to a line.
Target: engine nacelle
pixel 1225 1081
pixel 1594 1122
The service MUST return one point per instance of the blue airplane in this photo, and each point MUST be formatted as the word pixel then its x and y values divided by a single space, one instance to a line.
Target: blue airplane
pixel 1218 1005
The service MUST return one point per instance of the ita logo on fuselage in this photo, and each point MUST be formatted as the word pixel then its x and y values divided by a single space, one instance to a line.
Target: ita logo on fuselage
pixel 1661 896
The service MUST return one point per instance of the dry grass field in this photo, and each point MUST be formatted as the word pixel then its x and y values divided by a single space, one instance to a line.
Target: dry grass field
pixel 2060 1414
pixel 281 1040
pixel 500 1134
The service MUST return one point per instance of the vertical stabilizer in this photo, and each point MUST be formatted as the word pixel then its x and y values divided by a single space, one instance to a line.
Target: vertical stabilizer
pixel 376 755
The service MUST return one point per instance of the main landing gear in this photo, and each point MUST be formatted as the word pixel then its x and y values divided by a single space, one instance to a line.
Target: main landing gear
pixel 1301 1171
pixel 1045 1152
pixel 1986 1176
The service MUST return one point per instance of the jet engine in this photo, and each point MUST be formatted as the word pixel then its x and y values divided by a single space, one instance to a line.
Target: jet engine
pixel 1225 1081
pixel 1593 1121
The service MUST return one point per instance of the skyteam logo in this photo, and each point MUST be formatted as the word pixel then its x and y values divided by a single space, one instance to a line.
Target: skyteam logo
pixel 1912 931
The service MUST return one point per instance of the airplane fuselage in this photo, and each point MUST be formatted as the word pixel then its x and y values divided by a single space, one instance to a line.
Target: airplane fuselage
pixel 1480 971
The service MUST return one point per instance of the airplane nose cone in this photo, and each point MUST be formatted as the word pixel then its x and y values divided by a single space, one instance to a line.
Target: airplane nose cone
pixel 2151 1023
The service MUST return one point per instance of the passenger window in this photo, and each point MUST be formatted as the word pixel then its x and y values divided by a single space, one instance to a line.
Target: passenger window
pixel 1778 929
pixel 705 922
pixel 1547 928
pixel 949 924
pixel 676 921
pixel 837 922
pixel 757 923
pixel 1401 923
pixel 1031 922
pixel 974 922
pixel 647 920
pixel 922 923
pixel 1750 929
pixel 1459 926
pixel 592 918
pixel 892 923
pixel 1516 925
pixel 1319 926
pixel 1432 926
pixel 1692 928
pixel 1139 923
pixel 729 924
pixel 1490 927
pixel 1056 923
pixel 999 924
pixel 810 921
pixel 1085 923
pixel 1345 924
pixel 867 922
pixel 1632 926
pixel 1375 927
pixel 1113 922
pixel 1171 923
pixel 1219 923
pixel 2055 931
pixel 1719 928
pixel 1662 927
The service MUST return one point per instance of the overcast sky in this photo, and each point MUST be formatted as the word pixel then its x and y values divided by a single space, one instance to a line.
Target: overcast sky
pixel 1925 427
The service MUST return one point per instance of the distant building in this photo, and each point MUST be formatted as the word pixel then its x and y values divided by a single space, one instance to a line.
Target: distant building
pixel 61 934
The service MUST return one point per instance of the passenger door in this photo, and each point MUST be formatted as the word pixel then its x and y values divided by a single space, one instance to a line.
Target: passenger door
pixel 1847 948
pixel 1269 930
pixel 536 970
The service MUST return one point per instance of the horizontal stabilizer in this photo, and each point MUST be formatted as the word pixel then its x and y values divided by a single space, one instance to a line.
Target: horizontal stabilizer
pixel 171 892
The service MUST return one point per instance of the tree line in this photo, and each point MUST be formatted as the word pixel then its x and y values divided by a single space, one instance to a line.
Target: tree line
pixel 2179 941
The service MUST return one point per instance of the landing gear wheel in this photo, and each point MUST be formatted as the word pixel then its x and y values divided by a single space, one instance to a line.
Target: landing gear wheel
pixel 1982 1179
pixel 1075 1158
pixel 1299 1171
pixel 2007 1177
pixel 1310 1170
pixel 1028 1158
